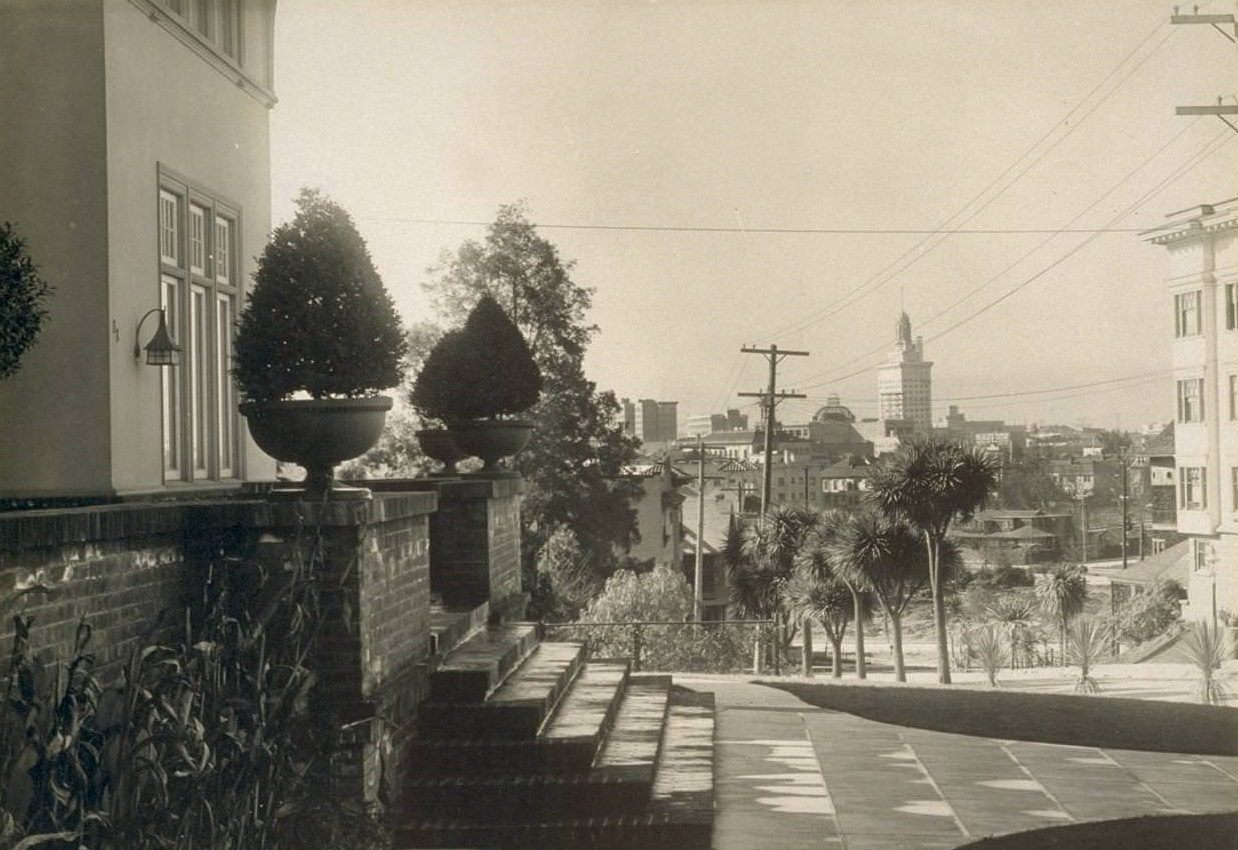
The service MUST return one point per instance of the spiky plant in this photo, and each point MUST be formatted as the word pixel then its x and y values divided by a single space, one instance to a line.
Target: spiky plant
pixel 990 646
pixel 1086 640
pixel 1206 650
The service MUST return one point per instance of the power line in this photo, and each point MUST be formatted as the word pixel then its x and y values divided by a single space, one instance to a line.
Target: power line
pixel 1211 147
pixel 857 292
pixel 825 231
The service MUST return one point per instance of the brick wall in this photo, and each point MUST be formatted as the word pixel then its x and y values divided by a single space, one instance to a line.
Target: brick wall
pixel 475 540
pixel 116 566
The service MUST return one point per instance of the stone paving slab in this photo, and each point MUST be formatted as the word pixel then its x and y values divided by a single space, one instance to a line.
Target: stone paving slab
pixel 793 777
pixel 589 704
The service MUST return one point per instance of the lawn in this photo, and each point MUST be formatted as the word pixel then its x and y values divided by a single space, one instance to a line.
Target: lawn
pixel 1158 832
pixel 1090 721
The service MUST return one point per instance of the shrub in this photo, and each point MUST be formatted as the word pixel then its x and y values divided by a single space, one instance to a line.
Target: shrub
pixel 1149 613
pixel 989 644
pixel 1206 650
pixel 23 295
pixel 481 371
pixel 318 319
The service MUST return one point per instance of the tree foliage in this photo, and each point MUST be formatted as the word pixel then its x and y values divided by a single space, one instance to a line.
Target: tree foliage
pixel 23 300
pixel 660 595
pixel 563 582
pixel 930 482
pixel 573 463
pixel 1062 591
pixel 318 319
pixel 1027 486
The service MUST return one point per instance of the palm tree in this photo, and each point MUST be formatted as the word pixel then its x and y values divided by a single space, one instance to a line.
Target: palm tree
pixel 1014 613
pixel 827 600
pixel 885 558
pixel 817 564
pixel 761 563
pixel 1062 590
pixel 930 482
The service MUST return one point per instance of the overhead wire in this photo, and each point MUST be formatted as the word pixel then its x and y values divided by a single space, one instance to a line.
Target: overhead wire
pixel 944 230
pixel 1212 146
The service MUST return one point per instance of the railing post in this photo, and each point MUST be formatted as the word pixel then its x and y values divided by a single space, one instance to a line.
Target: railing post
pixel 637 636
pixel 758 648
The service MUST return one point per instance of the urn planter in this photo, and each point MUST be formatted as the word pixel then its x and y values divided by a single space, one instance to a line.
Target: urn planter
pixel 317 434
pixel 492 439
pixel 438 444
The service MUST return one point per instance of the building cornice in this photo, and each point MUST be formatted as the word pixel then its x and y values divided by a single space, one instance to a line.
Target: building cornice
pixel 1208 220
pixel 222 63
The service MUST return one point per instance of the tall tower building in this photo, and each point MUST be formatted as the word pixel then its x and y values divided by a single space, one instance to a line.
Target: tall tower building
pixel 905 383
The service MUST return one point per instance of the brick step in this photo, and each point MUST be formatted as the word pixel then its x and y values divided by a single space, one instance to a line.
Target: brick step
pixel 632 747
pixel 449 627
pixel 525 799
pixel 568 742
pixel 626 832
pixel 477 666
pixel 516 709
pixel 683 786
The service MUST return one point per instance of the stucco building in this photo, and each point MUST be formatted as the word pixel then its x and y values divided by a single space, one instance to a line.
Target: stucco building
pixel 1202 244
pixel 136 168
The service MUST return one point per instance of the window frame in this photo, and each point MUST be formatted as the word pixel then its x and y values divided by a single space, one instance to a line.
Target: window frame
pixel 200 423
pixel 1190 393
pixel 1188 314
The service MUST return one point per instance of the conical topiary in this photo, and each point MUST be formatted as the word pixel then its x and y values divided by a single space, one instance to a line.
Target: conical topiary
pixel 319 319
pixel 484 370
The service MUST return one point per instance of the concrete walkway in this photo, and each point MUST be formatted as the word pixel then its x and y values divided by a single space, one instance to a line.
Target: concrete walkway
pixel 789 775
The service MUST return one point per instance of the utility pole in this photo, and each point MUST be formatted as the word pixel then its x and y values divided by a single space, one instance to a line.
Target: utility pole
pixel 1124 461
pixel 1220 110
pixel 770 399
pixel 698 578
pixel 805 486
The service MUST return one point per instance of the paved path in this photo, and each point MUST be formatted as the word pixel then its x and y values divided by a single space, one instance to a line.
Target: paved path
pixel 789 775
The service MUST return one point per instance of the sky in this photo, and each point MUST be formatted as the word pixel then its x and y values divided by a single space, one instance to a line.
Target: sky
pixel 726 173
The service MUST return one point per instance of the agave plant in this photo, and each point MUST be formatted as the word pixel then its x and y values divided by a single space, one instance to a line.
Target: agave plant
pixel 1085 644
pixel 989 644
pixel 1206 649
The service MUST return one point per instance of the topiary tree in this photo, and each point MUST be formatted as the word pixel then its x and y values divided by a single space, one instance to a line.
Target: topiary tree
pixel 484 370
pixel 23 295
pixel 319 319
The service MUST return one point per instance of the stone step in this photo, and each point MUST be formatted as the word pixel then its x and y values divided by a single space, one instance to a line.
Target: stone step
pixel 645 831
pixel 476 667
pixel 525 799
pixel 568 742
pixel 516 709
pixel 450 627
pixel 683 786
pixel 632 747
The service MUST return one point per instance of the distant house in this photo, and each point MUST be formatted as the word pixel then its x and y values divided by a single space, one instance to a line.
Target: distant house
pixel 659 513
pixel 718 512
pixel 1019 536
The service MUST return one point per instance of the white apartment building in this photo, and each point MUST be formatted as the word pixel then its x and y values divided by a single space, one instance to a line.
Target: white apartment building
pixel 1203 282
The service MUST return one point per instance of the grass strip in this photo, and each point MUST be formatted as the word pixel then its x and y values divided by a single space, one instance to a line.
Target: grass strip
pixel 1087 721
pixel 1150 832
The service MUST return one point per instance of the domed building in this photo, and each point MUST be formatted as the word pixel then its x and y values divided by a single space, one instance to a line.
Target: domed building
pixel 833 412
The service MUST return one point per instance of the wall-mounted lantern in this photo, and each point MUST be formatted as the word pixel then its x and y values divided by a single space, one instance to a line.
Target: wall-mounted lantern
pixel 161 350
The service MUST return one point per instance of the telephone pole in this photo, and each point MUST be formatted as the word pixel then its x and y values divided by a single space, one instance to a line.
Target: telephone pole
pixel 1221 109
pixel 698 581
pixel 770 399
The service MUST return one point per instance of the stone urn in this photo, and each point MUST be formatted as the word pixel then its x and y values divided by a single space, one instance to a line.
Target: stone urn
pixel 439 444
pixel 317 434
pixel 492 440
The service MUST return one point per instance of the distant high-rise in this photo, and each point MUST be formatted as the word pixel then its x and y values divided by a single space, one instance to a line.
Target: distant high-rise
pixel 904 383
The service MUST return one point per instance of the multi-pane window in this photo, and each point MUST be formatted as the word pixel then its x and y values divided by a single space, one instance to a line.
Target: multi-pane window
pixel 1231 306
pixel 1233 398
pixel 197 252
pixel 1233 483
pixel 1192 483
pixel 215 22
pixel 1191 400
pixel 1186 314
